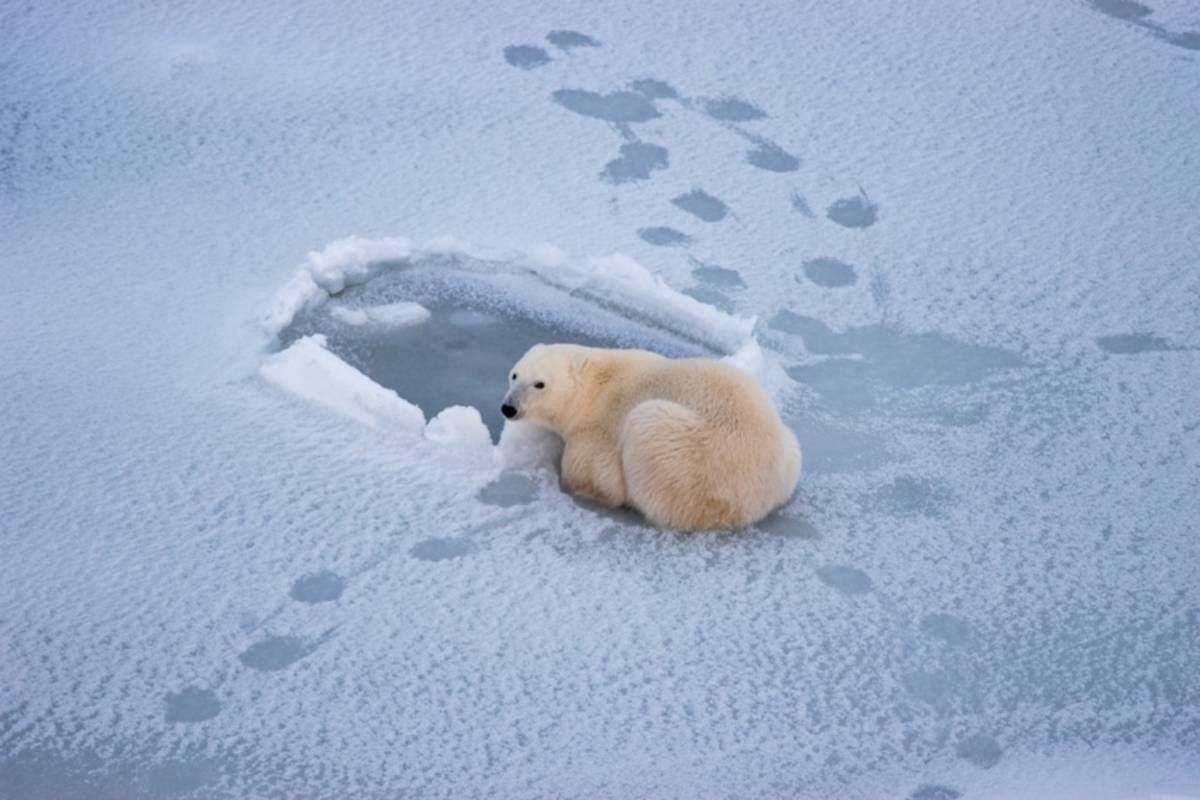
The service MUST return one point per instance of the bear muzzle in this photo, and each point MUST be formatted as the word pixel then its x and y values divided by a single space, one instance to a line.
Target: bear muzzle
pixel 509 406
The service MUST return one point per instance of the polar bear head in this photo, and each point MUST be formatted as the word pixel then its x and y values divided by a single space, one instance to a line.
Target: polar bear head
pixel 543 383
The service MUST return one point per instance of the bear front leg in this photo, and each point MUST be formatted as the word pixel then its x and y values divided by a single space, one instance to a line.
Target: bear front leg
pixel 591 468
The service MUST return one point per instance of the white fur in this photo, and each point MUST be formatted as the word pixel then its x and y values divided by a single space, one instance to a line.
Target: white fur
pixel 692 443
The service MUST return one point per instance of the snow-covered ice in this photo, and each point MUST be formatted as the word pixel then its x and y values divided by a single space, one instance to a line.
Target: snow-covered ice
pixel 392 314
pixel 311 372
pixel 265 271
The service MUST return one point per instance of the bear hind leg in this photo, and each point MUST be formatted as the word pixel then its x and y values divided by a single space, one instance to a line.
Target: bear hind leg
pixel 666 452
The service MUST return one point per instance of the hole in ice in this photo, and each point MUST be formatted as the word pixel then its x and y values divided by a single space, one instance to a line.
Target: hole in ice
pixel 191 704
pixel 441 549
pixel 320 587
pixel 510 489
pixel 847 580
pixel 276 653
pixel 481 318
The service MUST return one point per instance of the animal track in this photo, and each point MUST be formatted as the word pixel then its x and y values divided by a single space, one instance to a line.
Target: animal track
pixel 732 109
pixel 900 360
pixel 702 205
pixel 191 704
pixel 664 237
pixel 717 276
pixel 830 272
pixel 934 791
pixel 947 627
pixel 526 56
pixel 847 580
pixel 711 297
pixel 617 107
pixel 510 489
pixel 782 525
pixel 771 157
pixel 442 549
pixel 320 587
pixel 654 89
pixel 568 40
pixel 982 751
pixel 1134 343
pixel 908 496
pixel 853 212
pixel 636 162
pixel 1139 15
pixel 278 652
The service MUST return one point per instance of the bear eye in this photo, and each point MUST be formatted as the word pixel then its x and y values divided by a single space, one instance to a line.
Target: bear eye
pixel 514 377
pixel 540 385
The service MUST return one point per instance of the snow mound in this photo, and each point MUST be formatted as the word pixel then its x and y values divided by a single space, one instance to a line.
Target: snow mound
pixel 460 428
pixel 390 314
pixel 307 370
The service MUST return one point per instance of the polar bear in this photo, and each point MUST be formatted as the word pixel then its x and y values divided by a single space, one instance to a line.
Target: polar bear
pixel 693 444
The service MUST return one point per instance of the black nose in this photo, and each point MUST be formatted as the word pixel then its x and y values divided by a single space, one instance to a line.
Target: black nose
pixel 508 411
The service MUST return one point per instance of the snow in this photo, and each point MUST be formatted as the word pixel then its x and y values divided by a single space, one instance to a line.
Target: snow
pixel 391 314
pixel 525 446
pixel 958 243
pixel 345 262
pixel 308 370
pixel 460 427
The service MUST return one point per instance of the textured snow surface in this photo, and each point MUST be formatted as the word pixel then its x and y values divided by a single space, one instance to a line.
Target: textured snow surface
pixel 958 242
